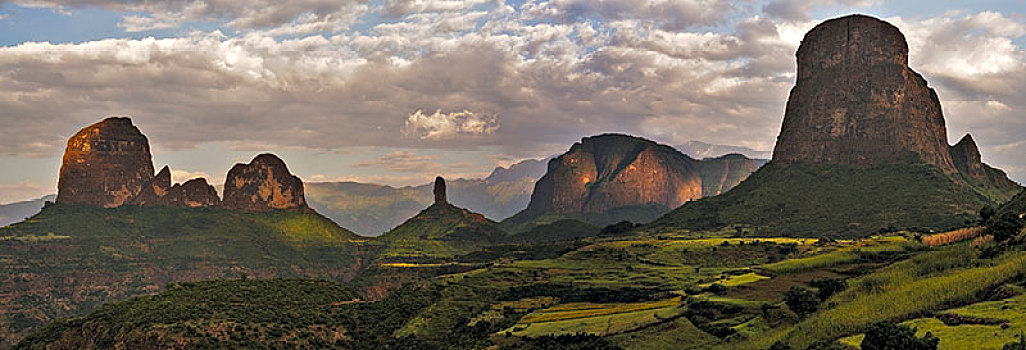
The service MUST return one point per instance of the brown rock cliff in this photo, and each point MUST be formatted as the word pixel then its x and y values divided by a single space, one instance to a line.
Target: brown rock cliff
pixel 262 185
pixel 106 164
pixel 857 103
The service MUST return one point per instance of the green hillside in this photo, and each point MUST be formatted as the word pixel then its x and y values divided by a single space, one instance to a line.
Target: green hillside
pixel 804 200
pixel 269 314
pixel 440 231
pixel 69 259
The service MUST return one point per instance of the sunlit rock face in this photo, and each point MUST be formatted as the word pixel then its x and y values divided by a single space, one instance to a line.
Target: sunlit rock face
pixel 264 184
pixel 857 103
pixel 106 164
pixel 609 171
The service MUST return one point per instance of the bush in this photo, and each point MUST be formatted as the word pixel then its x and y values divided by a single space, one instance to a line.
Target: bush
pixel 888 335
pixel 828 287
pixel 801 300
pixel 1016 345
pixel 1005 227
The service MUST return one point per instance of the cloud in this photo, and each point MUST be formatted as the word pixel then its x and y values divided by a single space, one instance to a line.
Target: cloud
pixel 553 71
pixel 181 176
pixel 22 190
pixel 402 162
pixel 311 15
pixel 665 14
pixel 800 10
pixel 439 126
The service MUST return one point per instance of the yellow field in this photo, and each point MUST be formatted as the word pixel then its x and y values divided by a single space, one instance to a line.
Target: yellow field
pixel 584 310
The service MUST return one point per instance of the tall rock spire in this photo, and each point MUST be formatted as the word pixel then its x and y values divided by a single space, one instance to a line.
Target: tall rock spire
pixel 440 196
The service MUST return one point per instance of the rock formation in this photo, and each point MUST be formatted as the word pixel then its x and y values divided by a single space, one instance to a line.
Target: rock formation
pixel 439 191
pixel 610 171
pixel 155 193
pixel 863 149
pixel 194 193
pixel 106 164
pixel 857 103
pixel 264 184
pixel 966 157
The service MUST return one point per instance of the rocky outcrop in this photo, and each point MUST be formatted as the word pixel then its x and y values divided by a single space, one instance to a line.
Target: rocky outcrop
pixel 609 171
pixel 966 157
pixel 155 193
pixel 857 103
pixel 723 173
pixel 863 149
pixel 439 191
pixel 106 164
pixel 194 193
pixel 264 184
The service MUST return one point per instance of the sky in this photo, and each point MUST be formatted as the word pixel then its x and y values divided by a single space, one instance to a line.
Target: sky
pixel 398 91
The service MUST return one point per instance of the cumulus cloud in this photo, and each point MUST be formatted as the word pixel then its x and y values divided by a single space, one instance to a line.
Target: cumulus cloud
pixel 447 126
pixel 666 14
pixel 313 15
pixel 402 162
pixel 23 190
pixel 800 10
pixel 181 176
pixel 554 71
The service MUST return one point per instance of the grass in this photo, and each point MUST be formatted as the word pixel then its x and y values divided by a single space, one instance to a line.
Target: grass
pixel 679 333
pixel 814 200
pixel 584 310
pixel 840 256
pixel 953 236
pixel 737 280
pixel 930 281
pixel 602 321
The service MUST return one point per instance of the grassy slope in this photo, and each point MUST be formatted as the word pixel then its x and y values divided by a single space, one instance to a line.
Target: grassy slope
pixel 440 231
pixel 84 256
pixel 845 202
pixel 278 313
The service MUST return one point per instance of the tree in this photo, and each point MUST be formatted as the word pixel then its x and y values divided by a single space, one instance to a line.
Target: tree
pixel 827 287
pixel 986 213
pixel 801 300
pixel 888 335
pixel 1005 226
pixel 1016 345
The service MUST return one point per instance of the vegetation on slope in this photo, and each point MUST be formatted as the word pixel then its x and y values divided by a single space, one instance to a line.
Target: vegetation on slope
pixel 269 314
pixel 69 259
pixel 807 200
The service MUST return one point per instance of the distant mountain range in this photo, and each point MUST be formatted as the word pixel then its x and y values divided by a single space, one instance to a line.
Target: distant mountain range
pixel 16 212
pixel 371 209
pixel 700 150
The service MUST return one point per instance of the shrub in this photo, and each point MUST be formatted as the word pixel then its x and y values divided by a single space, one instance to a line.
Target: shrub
pixel 801 300
pixel 888 335
pixel 828 287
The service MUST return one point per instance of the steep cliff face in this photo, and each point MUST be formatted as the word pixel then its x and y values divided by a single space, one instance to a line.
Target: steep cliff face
pixel 264 184
pixel 857 103
pixel 609 171
pixel 862 149
pixel 106 164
